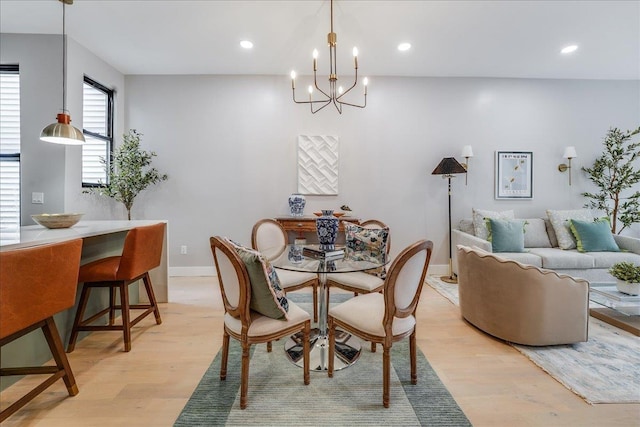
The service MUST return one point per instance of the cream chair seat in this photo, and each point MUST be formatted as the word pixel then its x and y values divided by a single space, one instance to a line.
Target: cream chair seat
pixel 521 303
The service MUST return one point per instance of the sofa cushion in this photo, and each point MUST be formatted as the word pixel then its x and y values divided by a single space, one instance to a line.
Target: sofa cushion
pixel 479 225
pixel 550 233
pixel 593 236
pixel 560 222
pixel 526 258
pixel 607 259
pixel 535 234
pixel 506 235
pixel 554 258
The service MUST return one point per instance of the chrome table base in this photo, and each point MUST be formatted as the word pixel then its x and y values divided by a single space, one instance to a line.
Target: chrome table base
pixel 347 350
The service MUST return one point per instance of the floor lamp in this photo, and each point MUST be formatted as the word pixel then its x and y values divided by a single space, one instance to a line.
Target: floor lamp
pixel 447 168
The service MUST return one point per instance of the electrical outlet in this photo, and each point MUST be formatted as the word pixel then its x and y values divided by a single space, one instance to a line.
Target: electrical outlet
pixel 183 249
pixel 37 198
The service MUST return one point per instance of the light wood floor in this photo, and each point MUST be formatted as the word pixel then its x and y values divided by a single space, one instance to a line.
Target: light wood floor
pixel 493 383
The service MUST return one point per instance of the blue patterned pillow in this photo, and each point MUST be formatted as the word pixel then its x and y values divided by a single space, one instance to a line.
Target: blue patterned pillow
pixel 267 296
pixel 368 244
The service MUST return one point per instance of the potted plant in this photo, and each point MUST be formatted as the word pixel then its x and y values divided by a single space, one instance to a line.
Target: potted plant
pixel 616 176
pixel 628 277
pixel 129 172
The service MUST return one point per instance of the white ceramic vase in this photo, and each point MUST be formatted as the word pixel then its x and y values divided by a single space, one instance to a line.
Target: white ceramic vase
pixel 627 287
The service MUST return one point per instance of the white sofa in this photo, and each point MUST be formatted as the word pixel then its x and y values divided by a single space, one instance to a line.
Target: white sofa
pixel 592 266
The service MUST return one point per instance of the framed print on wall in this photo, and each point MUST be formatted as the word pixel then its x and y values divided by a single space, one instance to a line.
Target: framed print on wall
pixel 514 175
pixel 318 165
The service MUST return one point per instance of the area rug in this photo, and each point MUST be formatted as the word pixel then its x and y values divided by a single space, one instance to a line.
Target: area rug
pixel 278 397
pixel 604 369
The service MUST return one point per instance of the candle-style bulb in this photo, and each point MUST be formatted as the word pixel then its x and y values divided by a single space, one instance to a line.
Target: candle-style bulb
pixel 310 89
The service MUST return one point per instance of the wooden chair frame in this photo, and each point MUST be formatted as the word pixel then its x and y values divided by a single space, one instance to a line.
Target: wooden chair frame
pixel 391 312
pixel 242 312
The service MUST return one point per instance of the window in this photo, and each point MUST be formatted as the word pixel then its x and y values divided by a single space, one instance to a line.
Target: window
pixel 97 122
pixel 9 152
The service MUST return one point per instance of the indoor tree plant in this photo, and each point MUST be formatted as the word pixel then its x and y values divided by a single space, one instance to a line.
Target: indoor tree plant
pixel 615 174
pixel 628 275
pixel 129 172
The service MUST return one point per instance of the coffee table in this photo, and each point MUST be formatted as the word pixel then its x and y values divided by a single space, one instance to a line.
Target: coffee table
pixel 347 349
pixel 618 309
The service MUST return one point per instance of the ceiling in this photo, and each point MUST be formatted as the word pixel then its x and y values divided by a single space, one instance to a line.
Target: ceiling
pixel 520 39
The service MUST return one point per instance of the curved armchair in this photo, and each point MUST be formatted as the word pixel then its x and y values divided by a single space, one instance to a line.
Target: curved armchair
pixel 389 316
pixel 521 303
pixel 245 325
pixel 270 239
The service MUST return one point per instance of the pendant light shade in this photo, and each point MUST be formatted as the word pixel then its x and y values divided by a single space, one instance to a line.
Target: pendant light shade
pixel 62 132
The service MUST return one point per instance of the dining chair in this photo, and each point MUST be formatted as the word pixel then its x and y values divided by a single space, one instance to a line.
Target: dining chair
pixel 142 252
pixel 270 239
pixel 245 325
pixel 389 316
pixel 35 284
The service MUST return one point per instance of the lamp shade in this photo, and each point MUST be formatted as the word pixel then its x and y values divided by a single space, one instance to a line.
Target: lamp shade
pixel 467 151
pixel 62 132
pixel 570 153
pixel 448 166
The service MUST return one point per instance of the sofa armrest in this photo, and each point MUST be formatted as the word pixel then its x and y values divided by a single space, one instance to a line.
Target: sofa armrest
pixel 465 239
pixel 627 243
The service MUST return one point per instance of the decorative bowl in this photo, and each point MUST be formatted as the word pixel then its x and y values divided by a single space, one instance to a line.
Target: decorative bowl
pixel 62 220
pixel 336 214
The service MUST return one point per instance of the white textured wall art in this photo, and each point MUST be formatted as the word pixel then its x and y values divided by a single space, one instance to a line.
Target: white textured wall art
pixel 318 165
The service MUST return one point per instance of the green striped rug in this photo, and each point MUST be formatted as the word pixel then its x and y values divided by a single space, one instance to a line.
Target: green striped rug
pixel 278 397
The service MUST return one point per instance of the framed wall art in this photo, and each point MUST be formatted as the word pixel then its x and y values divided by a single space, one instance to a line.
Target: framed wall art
pixel 318 165
pixel 514 175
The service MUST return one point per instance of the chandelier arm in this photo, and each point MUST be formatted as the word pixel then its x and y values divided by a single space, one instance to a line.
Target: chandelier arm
pixel 324 105
pixel 315 83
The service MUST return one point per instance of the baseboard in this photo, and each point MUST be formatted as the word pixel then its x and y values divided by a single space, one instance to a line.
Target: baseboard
pixel 435 269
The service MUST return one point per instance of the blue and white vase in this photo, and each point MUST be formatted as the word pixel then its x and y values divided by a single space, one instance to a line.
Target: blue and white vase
pixel 327 227
pixel 296 204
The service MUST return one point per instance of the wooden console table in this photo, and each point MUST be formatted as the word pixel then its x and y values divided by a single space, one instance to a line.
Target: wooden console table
pixel 307 224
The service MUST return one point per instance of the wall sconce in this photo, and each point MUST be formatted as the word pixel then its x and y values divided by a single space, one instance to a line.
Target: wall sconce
pixel 467 152
pixel 569 153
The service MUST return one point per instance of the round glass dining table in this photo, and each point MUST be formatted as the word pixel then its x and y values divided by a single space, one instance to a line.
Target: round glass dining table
pixel 347 349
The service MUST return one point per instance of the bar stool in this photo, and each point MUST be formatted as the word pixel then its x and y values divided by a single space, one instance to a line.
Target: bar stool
pixel 142 252
pixel 35 284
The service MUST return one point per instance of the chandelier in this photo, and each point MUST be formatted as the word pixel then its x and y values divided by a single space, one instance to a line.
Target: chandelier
pixel 335 92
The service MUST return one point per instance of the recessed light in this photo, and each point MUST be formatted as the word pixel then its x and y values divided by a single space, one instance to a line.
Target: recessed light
pixel 246 44
pixel 404 46
pixel 569 49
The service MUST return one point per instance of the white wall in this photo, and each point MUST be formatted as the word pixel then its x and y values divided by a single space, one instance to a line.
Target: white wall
pixel 228 144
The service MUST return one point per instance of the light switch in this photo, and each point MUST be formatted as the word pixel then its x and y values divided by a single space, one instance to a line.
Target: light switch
pixel 37 198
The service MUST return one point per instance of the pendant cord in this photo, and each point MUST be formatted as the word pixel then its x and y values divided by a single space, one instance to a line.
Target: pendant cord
pixel 64 60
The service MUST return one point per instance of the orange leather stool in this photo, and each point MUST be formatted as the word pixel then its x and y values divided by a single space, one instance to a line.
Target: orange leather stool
pixel 35 284
pixel 142 252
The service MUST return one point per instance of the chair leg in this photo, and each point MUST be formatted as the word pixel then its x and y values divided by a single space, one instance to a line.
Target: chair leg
pixel 386 373
pixel 244 376
pixel 315 302
pixel 124 308
pixel 82 306
pixel 412 355
pixel 52 336
pixel 269 347
pixel 225 356
pixel 373 347
pixel 305 349
pixel 112 306
pixel 332 343
pixel 152 297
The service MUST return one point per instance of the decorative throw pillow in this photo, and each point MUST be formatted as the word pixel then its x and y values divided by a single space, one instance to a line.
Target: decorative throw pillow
pixel 560 222
pixel 479 225
pixel 368 244
pixel 594 236
pixel 506 235
pixel 267 297
pixel 535 234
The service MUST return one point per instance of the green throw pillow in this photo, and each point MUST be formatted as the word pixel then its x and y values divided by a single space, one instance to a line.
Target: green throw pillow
pixel 593 236
pixel 267 296
pixel 506 235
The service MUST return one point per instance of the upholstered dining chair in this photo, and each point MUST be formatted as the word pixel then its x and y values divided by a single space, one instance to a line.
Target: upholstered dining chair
pixel 248 326
pixel 35 284
pixel 270 239
pixel 142 252
pixel 389 316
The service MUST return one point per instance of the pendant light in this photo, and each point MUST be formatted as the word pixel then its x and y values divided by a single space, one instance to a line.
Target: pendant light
pixel 62 132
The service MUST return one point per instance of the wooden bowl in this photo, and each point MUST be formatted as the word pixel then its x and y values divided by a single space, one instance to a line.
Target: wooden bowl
pixel 62 220
pixel 336 214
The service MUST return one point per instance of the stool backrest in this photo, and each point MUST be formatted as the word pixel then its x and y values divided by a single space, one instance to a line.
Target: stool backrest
pixel 36 283
pixel 142 251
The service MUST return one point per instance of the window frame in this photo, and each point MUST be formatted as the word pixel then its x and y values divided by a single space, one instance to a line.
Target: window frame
pixel 108 138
